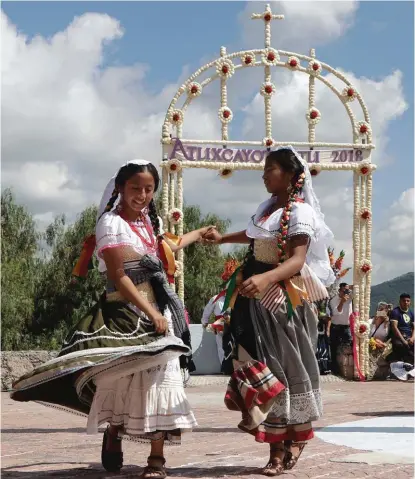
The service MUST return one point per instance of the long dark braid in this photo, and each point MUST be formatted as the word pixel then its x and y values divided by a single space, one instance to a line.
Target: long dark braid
pixel 111 202
pixel 152 213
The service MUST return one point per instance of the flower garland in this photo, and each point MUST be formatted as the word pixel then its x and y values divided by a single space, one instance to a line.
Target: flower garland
pixel 267 89
pixel 174 166
pixel 248 59
pixel 179 268
pixel 293 63
pixel 365 214
pixel 349 94
pixel 363 128
pixel 175 216
pixel 226 173
pixel 225 114
pixel 225 68
pixel 313 116
pixel 194 89
pixel 268 142
pixel 365 267
pixel 314 68
pixel 315 170
pixel 285 219
pixel 176 117
pixel 361 329
pixel 270 57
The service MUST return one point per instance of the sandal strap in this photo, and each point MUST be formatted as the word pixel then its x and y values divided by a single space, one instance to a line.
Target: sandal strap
pixel 157 458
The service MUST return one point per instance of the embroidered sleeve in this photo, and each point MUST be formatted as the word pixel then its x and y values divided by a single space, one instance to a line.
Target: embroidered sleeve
pixel 112 232
pixel 302 221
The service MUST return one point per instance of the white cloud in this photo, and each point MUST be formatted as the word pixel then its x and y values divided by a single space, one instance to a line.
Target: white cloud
pixel 307 23
pixel 69 120
pixel 393 251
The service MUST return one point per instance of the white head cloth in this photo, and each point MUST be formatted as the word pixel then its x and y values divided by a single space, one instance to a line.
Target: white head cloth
pixel 317 256
pixel 106 196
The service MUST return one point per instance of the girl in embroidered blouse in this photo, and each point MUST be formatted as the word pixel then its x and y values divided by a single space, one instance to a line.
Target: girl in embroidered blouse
pixel 122 363
pixel 273 324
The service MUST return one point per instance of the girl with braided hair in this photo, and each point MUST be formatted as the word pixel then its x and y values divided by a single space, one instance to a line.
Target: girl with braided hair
pixel 273 326
pixel 122 363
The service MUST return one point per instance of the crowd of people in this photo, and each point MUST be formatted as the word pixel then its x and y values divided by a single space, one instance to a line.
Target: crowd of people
pixel 391 332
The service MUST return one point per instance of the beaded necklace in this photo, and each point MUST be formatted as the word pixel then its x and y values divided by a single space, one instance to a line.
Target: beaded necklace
pixel 135 226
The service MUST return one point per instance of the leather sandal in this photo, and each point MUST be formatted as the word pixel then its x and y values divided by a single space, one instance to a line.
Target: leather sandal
pixel 155 472
pixel 275 466
pixel 111 460
pixel 290 460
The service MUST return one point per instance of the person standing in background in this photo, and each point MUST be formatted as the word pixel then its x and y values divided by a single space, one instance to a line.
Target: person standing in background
pixel 214 307
pixel 341 308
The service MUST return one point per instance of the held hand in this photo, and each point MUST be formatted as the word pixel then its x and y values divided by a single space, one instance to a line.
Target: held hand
pixel 160 323
pixel 205 230
pixel 212 236
pixel 346 297
pixel 254 286
pixel 411 341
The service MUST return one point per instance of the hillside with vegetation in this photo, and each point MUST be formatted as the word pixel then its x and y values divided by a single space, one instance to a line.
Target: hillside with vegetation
pixel 390 291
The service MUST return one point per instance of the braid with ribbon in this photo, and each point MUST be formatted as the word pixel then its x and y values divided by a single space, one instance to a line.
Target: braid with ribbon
pixel 111 202
pixel 285 218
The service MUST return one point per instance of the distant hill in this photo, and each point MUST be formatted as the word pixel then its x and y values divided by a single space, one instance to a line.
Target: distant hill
pixel 389 291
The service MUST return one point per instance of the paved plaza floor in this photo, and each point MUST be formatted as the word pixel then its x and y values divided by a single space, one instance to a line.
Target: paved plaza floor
pixel 367 432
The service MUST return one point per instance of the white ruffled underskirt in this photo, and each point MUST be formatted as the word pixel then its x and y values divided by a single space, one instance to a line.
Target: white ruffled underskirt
pixel 149 404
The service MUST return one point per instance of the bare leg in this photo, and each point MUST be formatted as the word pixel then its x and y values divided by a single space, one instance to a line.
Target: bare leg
pixel 155 468
pixel 275 465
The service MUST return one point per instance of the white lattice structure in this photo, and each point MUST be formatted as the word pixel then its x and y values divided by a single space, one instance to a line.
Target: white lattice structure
pixel 354 156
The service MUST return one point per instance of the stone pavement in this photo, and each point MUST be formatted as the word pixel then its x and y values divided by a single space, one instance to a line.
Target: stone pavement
pixel 40 442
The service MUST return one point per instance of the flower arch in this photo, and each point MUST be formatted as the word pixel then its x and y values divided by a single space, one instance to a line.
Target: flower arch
pixel 354 156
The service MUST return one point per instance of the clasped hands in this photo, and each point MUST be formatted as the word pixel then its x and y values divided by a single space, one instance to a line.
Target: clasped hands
pixel 254 286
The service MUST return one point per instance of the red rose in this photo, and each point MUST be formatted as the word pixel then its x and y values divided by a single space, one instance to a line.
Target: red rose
pixel 365 215
pixel 293 63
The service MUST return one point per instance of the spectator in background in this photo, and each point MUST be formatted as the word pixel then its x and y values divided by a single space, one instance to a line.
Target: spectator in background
pixel 403 333
pixel 340 310
pixel 380 328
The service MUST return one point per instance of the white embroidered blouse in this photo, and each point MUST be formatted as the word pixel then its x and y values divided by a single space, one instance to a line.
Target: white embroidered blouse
pixel 317 272
pixel 112 231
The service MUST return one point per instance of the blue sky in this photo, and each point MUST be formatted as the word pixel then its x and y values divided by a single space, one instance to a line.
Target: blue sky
pixel 379 42
pixel 171 36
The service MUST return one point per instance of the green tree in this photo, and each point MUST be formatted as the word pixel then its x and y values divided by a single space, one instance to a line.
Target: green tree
pixel 203 264
pixel 20 269
pixel 62 300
